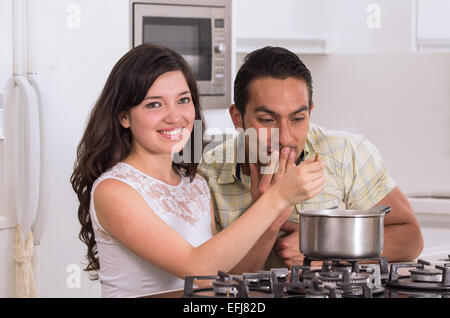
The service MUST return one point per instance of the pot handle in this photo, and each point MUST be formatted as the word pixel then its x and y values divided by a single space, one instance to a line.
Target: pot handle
pixel 382 209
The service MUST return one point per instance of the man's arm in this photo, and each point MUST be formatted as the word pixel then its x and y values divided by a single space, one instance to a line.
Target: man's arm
pixel 287 247
pixel 367 181
pixel 402 236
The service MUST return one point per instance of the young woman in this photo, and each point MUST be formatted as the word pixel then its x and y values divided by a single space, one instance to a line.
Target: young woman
pixel 147 221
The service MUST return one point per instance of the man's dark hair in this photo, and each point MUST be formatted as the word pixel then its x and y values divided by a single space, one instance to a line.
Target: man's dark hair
pixel 273 62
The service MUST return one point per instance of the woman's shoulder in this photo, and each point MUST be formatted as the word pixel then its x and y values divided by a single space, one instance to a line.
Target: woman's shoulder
pixel 115 171
pixel 115 178
pixel 112 186
pixel 199 179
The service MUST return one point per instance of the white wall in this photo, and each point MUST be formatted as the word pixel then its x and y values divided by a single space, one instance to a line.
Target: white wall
pixel 401 102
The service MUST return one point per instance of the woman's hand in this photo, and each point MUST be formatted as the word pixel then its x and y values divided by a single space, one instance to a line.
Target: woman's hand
pixel 303 182
pixel 263 177
pixel 279 165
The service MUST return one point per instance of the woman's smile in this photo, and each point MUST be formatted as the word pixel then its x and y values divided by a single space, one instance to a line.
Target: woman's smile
pixel 175 133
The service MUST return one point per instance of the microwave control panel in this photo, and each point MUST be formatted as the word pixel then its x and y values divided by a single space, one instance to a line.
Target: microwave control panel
pixel 220 49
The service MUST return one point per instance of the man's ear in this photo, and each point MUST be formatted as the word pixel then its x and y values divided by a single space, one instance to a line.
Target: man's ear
pixel 124 119
pixel 236 116
pixel 311 108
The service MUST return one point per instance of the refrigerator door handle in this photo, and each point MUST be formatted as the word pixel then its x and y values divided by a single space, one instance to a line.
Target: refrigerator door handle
pixel 41 214
pixel 29 183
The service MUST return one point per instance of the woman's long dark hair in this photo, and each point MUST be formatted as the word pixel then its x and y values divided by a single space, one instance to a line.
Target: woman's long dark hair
pixel 105 142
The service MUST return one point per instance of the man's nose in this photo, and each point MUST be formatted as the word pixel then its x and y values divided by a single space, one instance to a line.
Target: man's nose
pixel 284 135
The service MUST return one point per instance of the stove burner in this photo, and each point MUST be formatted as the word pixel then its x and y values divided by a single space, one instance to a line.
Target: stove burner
pixel 351 265
pixel 321 290
pixel 359 278
pixel 339 266
pixel 223 285
pixel 263 280
pixel 426 275
pixel 330 276
pixel 225 288
pixel 437 278
pixel 279 273
pixel 398 293
pixel 352 290
pixel 294 289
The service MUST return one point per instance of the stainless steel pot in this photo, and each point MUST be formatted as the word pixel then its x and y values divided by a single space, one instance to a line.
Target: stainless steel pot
pixel 342 233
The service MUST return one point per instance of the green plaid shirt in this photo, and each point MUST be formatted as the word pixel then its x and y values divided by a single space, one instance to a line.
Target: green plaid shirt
pixel 356 177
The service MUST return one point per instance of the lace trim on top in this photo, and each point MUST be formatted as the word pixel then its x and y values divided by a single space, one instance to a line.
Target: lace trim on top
pixel 190 201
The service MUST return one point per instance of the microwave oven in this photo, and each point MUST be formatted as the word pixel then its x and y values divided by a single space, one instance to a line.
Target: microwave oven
pixel 200 30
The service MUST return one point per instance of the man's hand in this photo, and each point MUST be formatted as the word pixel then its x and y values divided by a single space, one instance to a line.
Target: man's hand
pixel 287 247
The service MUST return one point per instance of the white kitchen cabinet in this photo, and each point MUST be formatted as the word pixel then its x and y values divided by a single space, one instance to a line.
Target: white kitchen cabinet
pixel 300 25
pixel 325 26
pixel 433 25
pixel 372 26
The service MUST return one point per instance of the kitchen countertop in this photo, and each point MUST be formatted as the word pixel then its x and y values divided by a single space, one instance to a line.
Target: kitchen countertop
pixel 172 294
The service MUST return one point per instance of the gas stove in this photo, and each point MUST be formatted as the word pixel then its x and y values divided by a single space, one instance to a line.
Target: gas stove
pixel 335 278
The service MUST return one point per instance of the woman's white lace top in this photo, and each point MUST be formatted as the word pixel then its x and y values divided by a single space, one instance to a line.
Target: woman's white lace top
pixel 185 207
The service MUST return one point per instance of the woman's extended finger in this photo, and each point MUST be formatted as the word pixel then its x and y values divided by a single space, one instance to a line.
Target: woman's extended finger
pixel 291 160
pixel 284 158
pixel 267 172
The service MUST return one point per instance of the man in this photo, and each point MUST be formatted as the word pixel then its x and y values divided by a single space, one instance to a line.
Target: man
pixel 273 89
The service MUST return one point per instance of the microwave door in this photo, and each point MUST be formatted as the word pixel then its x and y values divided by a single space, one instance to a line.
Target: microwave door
pixel 196 32
pixel 191 37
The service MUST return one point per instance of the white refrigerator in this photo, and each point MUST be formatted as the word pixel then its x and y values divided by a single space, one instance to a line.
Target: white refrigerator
pixel 68 48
